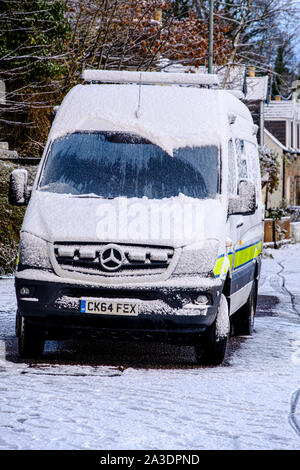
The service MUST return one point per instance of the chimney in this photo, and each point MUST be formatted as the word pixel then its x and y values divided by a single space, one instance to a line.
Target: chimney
pixel 252 71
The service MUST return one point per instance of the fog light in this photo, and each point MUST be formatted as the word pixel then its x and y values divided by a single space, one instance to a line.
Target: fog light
pixel 201 300
pixel 24 291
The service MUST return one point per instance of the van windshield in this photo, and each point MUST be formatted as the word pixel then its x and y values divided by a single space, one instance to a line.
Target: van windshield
pixel 113 164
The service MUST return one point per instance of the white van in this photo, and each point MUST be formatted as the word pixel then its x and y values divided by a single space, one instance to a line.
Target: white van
pixel 145 219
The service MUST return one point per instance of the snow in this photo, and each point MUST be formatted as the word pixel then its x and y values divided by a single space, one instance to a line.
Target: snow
pixel 278 110
pixel 222 323
pixel 175 221
pixel 295 231
pixel 18 184
pixel 257 88
pixel 236 73
pixel 34 251
pixel 202 255
pixel 169 116
pixel 276 141
pixel 113 395
pixel 124 76
pixel 178 282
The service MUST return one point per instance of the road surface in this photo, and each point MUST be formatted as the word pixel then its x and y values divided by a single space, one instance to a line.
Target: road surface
pixel 119 395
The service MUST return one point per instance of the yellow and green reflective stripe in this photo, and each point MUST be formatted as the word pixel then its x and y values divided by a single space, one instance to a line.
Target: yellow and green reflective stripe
pixel 246 254
pixel 242 257
pixel 218 265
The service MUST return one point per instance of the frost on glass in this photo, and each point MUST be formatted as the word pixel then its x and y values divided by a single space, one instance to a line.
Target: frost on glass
pixel 113 164
pixel 241 159
pixel 253 164
pixel 231 182
pixel 245 202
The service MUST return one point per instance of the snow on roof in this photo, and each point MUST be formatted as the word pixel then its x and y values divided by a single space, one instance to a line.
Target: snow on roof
pixel 276 141
pixel 170 116
pixel 235 80
pixel 236 77
pixel 257 88
pixel 282 110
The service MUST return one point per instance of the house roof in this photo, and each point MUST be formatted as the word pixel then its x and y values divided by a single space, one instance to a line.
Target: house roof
pixel 257 88
pixel 290 150
pixel 282 110
pixel 276 141
pixel 235 79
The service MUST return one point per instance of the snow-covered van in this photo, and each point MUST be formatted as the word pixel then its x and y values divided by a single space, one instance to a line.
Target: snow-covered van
pixel 145 219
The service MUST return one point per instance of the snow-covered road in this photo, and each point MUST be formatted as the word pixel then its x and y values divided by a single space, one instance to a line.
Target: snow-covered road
pixel 85 395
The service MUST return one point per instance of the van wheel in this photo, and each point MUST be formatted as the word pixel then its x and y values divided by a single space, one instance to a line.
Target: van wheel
pixel 212 346
pixel 31 339
pixel 243 319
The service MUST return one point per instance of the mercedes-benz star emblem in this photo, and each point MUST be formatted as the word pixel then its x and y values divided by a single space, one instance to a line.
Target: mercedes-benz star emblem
pixel 111 257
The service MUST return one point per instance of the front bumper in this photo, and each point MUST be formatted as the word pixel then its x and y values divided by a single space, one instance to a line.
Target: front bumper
pixel 167 311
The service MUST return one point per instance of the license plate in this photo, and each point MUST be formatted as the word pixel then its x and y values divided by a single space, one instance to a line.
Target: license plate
pixel 101 307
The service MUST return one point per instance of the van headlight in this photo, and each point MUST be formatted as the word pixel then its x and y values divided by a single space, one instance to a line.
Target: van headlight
pixel 197 259
pixel 201 300
pixel 33 252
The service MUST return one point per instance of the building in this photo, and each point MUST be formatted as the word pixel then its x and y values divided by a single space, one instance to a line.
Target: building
pixel 256 98
pixel 274 199
pixel 282 121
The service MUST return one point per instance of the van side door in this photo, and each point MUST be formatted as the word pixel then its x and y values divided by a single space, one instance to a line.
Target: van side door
pixel 248 227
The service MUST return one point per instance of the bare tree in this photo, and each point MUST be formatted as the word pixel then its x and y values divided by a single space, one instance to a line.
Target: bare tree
pixel 256 28
pixel 46 44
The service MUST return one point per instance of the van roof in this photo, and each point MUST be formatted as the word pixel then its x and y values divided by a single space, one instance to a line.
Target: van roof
pixel 171 116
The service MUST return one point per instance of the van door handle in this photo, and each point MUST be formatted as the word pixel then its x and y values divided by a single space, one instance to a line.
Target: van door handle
pixel 240 225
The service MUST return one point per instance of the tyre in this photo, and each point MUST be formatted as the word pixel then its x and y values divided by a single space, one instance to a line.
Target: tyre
pixel 31 339
pixel 243 319
pixel 212 346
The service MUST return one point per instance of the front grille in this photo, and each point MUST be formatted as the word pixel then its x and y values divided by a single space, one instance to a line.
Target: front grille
pixel 93 259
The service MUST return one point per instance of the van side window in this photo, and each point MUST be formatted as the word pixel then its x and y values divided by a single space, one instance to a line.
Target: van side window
pixel 253 166
pixel 241 159
pixel 231 182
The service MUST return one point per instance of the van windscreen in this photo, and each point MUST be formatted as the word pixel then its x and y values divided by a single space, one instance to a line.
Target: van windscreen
pixel 113 164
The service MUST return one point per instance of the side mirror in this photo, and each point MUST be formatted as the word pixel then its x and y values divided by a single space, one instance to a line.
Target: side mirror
pixel 19 191
pixel 245 201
